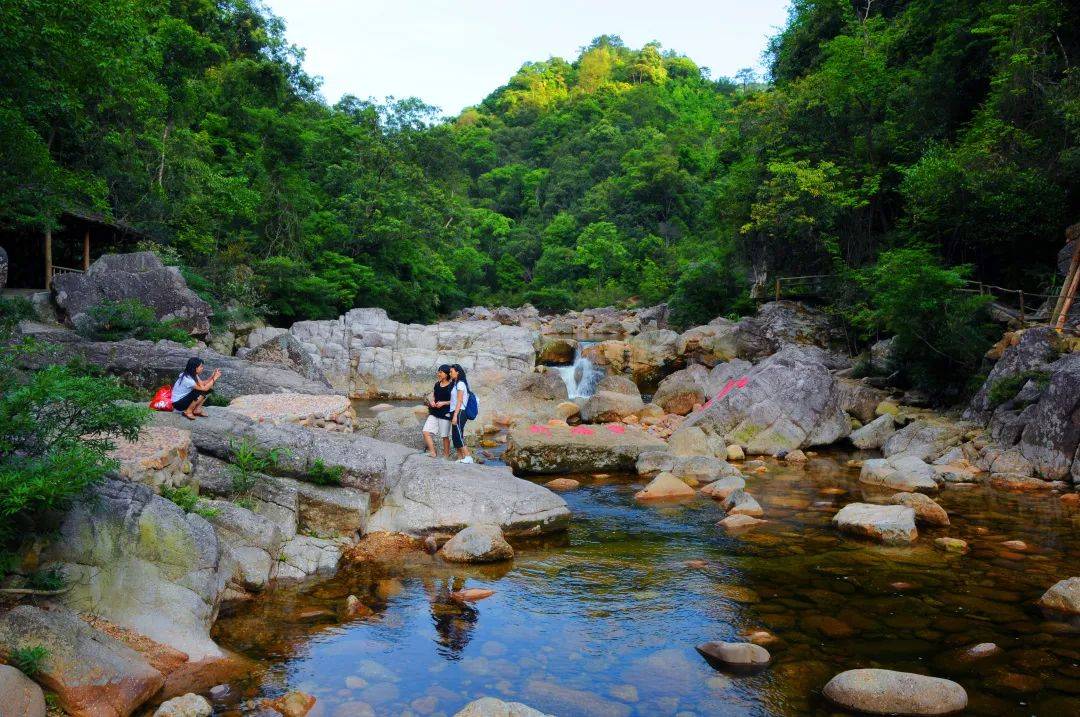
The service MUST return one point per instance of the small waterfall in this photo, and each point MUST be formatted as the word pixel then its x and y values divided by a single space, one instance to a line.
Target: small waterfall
pixel 581 376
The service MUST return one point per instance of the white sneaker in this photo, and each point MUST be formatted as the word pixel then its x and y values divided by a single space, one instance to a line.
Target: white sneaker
pixel 466 459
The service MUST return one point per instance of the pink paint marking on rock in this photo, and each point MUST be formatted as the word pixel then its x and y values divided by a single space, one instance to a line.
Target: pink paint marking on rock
pixel 615 427
pixel 539 429
pixel 582 431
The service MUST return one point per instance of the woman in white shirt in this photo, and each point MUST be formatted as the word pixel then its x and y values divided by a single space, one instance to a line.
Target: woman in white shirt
pixel 189 392
pixel 459 396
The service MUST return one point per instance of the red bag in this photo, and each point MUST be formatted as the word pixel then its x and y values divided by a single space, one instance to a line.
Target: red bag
pixel 162 400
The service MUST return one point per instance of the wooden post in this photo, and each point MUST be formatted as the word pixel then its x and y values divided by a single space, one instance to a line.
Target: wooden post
pixel 778 289
pixel 48 259
pixel 86 250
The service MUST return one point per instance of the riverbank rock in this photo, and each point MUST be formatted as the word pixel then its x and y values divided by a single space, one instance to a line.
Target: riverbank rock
pixel 161 457
pixel 542 449
pixel 703 469
pixel 1034 349
pixel 189 705
pixel 860 400
pixel 736 656
pixel 90 673
pixel 491 707
pixel 1063 597
pixel 477 544
pixel 682 390
pixel 139 561
pixel 285 350
pixel 665 487
pixel 874 434
pixel 415 494
pixel 562 484
pixel 305 555
pixel 739 523
pixel 739 502
pixel 252 541
pixel 887 692
pixel 141 276
pixel 904 472
pixel 925 439
pixel 150 365
pixel 330 412
pixel 21 696
pixel 724 487
pixel 609 406
pixel 556 351
pixel 366 353
pixel 889 524
pixel 790 400
pixel 927 511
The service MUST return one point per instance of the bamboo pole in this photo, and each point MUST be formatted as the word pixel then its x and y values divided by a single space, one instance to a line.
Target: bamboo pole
pixel 48 259
pixel 1068 289
pixel 778 288
pixel 86 250
pixel 1072 288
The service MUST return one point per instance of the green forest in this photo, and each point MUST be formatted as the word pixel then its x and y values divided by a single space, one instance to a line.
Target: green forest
pixel 898 139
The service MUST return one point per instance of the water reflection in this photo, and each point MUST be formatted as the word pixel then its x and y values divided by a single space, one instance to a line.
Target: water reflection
pixel 604 620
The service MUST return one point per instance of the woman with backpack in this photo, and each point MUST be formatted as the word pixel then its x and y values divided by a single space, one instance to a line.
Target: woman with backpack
pixel 459 403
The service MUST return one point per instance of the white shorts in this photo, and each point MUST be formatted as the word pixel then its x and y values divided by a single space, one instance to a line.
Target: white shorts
pixel 437 426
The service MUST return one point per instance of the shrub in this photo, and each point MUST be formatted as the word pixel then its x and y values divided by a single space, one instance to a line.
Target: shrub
pixel 30 659
pixel 187 499
pixel 711 287
pixel 51 579
pixel 322 474
pixel 1005 389
pixel 248 463
pixel 14 310
pixel 941 331
pixel 129 319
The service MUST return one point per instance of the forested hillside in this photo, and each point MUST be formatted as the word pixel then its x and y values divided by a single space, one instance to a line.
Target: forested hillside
pixel 885 139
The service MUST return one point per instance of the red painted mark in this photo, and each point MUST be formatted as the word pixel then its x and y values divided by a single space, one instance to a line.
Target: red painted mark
pixel 729 386
pixel 540 429
pixel 615 428
pixel 582 431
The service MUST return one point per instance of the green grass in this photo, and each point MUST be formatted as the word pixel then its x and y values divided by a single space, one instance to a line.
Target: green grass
pixel 30 659
pixel 322 474
pixel 1005 389
pixel 50 579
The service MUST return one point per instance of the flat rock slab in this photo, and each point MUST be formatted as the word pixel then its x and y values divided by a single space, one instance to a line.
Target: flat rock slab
pixel 162 456
pixel 900 473
pixel 331 412
pixel 91 673
pixel 887 692
pixel 546 449
pixel 889 524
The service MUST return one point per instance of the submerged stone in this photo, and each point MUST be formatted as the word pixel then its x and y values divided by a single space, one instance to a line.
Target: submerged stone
pixel 1063 596
pixel 888 692
pixel 736 656
pixel 889 524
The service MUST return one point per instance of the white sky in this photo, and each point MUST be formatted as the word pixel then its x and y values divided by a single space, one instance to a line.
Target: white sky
pixel 453 53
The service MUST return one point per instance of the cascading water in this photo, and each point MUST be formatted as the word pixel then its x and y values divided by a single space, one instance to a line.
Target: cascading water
pixel 581 376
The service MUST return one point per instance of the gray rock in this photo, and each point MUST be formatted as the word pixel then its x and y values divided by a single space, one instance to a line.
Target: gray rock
pixel 189 705
pixel 253 542
pixel 860 400
pixel 887 692
pixel 415 494
pixel 90 672
pixel 682 390
pixel 492 707
pixel 139 561
pixel 618 384
pixel 477 544
pixel 21 696
pixel 150 365
pixel 889 524
pixel 304 556
pixel 550 450
pixel 739 502
pixel 608 407
pixel 790 400
pixel 140 276
pixel 927 511
pixel 653 353
pixel 900 473
pixel 874 434
pixel 924 439
pixel 1034 351
pixel 881 356
pixel 261 335
pixel 1063 597
pixel 332 511
pixel 738 656
pixel 690 441
pixel 1051 437
pixel 284 350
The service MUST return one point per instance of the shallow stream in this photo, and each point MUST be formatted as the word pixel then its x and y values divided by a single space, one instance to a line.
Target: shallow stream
pixel 604 620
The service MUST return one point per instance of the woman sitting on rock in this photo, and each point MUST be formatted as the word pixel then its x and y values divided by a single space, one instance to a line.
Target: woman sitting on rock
pixel 459 396
pixel 189 392
pixel 438 420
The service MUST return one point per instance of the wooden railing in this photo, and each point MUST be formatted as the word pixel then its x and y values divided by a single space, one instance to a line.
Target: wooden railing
pixel 58 270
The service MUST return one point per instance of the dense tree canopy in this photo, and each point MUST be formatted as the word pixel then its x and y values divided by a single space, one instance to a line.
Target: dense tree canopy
pixel 623 175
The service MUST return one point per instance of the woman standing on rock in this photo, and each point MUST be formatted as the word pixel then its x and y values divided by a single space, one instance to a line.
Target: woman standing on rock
pixel 438 420
pixel 459 396
pixel 190 392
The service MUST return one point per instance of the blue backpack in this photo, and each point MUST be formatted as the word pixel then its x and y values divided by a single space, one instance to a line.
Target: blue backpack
pixel 472 406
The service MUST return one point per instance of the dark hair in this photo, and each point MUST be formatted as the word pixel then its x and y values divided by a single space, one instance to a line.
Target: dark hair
pixel 445 368
pixel 460 374
pixel 193 363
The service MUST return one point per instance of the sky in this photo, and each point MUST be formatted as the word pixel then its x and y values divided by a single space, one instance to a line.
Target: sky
pixel 453 53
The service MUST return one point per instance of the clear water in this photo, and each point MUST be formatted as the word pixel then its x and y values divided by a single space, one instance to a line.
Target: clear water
pixel 603 620
pixel 581 376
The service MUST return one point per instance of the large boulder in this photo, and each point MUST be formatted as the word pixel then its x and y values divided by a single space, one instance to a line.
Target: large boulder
pixel 608 406
pixel 328 411
pixel 889 524
pixel 414 493
pixel 285 350
pixel 1051 437
pixel 141 276
pixel 1063 597
pixel 543 449
pixel 682 390
pixel 306 555
pixel 91 673
pixel 477 544
pixel 1034 349
pixel 874 434
pixel 556 351
pixel 139 561
pixel 253 542
pixel 902 472
pixel 653 353
pixel 22 696
pixel 925 439
pixel 150 365
pixel 860 400
pixel 887 692
pixel 790 400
